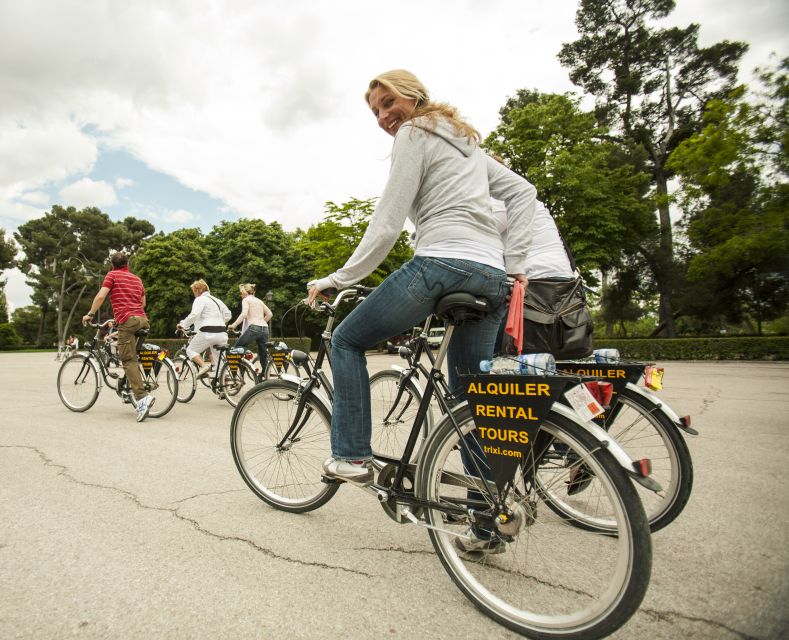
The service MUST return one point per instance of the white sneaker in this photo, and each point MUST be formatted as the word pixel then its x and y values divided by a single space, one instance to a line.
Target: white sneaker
pixel 144 406
pixel 202 371
pixel 477 545
pixel 358 473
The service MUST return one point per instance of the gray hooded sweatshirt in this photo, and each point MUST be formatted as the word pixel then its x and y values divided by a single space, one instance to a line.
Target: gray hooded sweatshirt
pixel 443 183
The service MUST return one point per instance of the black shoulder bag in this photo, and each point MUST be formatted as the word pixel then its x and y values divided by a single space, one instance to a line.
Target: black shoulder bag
pixel 555 317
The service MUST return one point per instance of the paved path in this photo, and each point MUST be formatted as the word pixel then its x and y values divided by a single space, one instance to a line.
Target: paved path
pixel 113 529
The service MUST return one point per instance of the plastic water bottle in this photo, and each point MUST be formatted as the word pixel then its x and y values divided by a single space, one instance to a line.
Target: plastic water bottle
pixel 606 356
pixel 531 364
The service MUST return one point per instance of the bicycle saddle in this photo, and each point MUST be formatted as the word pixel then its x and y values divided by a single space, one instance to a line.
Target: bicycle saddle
pixel 461 308
pixel 140 333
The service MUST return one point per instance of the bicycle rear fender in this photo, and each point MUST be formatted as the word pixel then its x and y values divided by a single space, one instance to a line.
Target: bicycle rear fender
pixel 662 406
pixel 606 441
pixel 318 394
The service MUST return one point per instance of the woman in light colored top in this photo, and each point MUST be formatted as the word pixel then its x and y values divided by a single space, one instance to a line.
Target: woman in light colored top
pixel 255 316
pixel 209 315
pixel 443 182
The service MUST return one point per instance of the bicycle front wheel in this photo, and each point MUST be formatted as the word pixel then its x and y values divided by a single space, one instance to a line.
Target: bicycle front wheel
pixel 284 472
pixel 547 578
pixel 187 380
pixel 644 431
pixel 236 382
pixel 78 383
pixel 394 404
pixel 162 383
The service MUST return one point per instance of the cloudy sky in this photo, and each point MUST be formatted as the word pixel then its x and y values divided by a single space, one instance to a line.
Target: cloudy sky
pixel 187 112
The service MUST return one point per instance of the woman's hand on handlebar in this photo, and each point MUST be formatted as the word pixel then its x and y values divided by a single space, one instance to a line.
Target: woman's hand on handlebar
pixel 317 288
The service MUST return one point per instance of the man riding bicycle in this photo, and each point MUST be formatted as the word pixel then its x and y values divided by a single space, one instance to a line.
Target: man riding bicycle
pixel 127 296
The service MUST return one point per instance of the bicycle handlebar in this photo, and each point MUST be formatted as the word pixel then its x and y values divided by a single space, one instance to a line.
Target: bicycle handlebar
pixel 353 292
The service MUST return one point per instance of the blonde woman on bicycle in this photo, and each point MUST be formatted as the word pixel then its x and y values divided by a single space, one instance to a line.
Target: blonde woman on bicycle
pixel 442 181
pixel 209 315
pixel 255 316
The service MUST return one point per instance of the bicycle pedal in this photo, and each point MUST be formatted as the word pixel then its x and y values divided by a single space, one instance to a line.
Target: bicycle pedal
pixel 328 480
pixel 114 375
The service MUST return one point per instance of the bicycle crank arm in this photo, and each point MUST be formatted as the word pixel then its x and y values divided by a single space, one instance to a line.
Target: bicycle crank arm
pixel 412 518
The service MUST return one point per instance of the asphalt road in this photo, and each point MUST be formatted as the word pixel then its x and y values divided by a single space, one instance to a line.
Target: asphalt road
pixel 114 529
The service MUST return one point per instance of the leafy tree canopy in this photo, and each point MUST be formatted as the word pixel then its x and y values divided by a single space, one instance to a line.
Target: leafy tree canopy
pixel 592 186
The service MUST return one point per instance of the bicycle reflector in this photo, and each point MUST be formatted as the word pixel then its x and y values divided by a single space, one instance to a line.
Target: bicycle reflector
pixel 249 355
pixel 643 467
pixel 602 391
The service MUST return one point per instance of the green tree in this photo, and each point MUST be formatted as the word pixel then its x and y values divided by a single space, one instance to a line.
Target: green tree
pixel 735 192
pixel 332 241
pixel 26 321
pixel 65 255
pixel 593 187
pixel 251 250
pixel 653 83
pixel 167 264
pixel 8 336
pixel 3 306
pixel 7 251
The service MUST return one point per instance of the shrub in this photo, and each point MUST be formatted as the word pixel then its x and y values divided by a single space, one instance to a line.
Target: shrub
pixel 728 348
pixel 9 338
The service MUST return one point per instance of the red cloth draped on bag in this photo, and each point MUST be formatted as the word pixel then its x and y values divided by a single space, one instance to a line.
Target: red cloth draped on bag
pixel 514 326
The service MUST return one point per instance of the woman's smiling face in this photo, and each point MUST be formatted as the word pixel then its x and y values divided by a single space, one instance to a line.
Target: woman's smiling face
pixel 390 109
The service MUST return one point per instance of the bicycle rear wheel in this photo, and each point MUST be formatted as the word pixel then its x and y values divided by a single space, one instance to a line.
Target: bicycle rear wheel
pixel 235 383
pixel 644 431
pixel 288 366
pixel 549 579
pixel 187 380
pixel 284 473
pixel 393 416
pixel 78 383
pixel 162 383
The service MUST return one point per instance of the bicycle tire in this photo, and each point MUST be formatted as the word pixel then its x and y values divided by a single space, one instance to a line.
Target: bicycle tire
pixel 391 426
pixel 234 384
pixel 187 378
pixel 78 383
pixel 551 579
pixel 644 431
pixel 162 383
pixel 286 478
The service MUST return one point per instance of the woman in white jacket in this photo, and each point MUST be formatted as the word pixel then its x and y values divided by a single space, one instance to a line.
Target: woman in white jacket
pixel 209 315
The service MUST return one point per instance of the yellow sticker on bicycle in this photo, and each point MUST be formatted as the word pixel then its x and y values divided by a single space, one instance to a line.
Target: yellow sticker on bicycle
pixel 148 357
pixel 234 360
pixel 278 357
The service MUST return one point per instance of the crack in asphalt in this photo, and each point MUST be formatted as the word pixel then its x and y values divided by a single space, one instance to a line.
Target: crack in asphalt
pixel 65 473
pixel 662 616
pixel 670 616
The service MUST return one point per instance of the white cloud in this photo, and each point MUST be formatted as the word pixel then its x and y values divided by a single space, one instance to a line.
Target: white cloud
pixel 122 183
pixel 259 102
pixel 88 193
pixel 35 197
pixel 180 216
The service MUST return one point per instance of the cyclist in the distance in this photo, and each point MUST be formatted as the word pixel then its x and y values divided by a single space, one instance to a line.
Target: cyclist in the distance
pixel 255 316
pixel 208 315
pixel 127 296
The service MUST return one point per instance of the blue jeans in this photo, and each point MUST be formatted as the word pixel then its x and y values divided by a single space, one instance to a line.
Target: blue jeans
pixel 404 299
pixel 256 333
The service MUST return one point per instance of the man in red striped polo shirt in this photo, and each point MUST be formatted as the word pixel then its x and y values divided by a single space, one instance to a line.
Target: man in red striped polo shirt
pixel 127 296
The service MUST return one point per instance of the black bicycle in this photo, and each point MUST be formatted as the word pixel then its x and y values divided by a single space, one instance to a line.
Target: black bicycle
pixel 548 578
pixel 81 375
pixel 232 375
